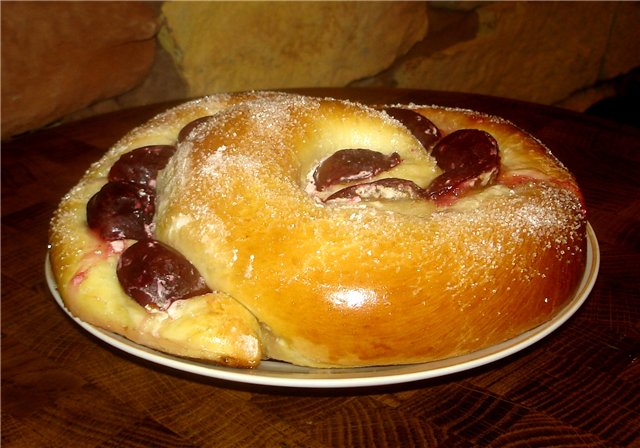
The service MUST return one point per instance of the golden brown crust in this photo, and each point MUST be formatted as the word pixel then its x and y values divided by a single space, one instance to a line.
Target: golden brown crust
pixel 344 283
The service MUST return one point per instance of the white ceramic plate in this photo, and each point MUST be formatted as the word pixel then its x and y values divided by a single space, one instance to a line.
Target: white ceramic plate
pixel 273 373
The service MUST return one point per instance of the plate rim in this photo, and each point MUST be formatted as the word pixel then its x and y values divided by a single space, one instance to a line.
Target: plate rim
pixel 288 375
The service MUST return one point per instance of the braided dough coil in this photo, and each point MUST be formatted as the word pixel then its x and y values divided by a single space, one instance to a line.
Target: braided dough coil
pixel 330 283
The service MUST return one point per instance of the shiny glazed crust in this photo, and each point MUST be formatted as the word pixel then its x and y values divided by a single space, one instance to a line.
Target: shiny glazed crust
pixel 336 284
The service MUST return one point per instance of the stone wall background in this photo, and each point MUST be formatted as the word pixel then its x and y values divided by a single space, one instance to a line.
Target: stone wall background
pixel 63 61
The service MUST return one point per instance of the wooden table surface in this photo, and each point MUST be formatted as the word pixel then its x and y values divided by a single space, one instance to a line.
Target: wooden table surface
pixel 579 386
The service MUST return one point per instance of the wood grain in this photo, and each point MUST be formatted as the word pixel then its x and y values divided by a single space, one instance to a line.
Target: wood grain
pixel 578 387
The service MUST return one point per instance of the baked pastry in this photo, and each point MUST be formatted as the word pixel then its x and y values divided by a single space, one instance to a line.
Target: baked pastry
pixel 320 232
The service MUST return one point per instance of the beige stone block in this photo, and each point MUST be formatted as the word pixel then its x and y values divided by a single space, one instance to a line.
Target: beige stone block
pixel 457 5
pixel 163 83
pixel 58 57
pixel 536 51
pixel 229 46
pixel 623 52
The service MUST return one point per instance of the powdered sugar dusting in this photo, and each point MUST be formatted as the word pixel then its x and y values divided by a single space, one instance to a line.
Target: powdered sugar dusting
pixel 247 152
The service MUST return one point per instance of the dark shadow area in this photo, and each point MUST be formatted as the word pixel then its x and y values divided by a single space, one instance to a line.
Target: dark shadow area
pixel 624 106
